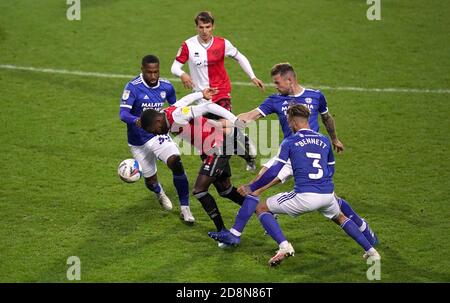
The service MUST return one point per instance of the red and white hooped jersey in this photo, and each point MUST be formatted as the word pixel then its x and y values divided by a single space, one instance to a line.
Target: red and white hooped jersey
pixel 206 64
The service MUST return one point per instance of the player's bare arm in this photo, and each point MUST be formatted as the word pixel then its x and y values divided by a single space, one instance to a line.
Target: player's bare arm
pixel 177 70
pixel 259 191
pixel 247 68
pixel 250 116
pixel 328 121
pixel 243 190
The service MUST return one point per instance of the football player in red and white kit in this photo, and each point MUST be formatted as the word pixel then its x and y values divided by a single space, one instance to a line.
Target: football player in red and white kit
pixel 189 122
pixel 205 56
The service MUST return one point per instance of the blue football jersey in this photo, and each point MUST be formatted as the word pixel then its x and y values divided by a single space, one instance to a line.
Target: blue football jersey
pixel 278 104
pixel 137 97
pixel 312 161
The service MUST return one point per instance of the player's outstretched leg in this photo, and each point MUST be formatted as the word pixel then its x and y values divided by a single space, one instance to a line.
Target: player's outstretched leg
pixel 224 236
pixel 181 184
pixel 153 185
pixel 210 206
pixel 361 223
pixel 233 236
pixel 353 231
pixel 272 227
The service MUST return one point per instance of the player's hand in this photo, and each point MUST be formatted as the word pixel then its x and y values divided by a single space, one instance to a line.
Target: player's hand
pixel 137 122
pixel 338 146
pixel 244 190
pixel 259 84
pixel 244 117
pixel 187 81
pixel 209 92
pixel 240 124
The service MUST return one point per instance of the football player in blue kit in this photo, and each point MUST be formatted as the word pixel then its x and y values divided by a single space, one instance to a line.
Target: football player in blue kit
pixel 312 161
pixel 148 91
pixel 291 92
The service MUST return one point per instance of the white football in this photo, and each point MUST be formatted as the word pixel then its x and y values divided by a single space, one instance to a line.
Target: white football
pixel 129 170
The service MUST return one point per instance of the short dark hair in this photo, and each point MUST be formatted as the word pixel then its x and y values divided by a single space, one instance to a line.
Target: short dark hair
pixel 150 59
pixel 205 17
pixel 148 117
pixel 282 69
pixel 298 110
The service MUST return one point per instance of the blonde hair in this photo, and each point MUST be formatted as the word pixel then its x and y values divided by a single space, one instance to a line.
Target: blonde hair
pixel 298 110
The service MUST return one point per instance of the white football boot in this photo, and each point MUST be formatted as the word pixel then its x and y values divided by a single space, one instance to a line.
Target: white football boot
pixel 284 252
pixel 372 254
pixel 186 215
pixel 164 200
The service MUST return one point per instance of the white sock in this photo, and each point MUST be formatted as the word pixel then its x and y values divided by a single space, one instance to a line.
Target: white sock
pixel 363 226
pixel 284 244
pixel 371 251
pixel 235 232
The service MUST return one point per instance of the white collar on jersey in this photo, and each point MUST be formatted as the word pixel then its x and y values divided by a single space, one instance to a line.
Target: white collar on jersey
pixel 205 45
pixel 303 129
pixel 299 94
pixel 145 83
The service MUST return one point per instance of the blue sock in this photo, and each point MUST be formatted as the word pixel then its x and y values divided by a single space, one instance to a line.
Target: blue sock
pixel 245 212
pixel 154 187
pixel 353 231
pixel 182 186
pixel 349 212
pixel 272 227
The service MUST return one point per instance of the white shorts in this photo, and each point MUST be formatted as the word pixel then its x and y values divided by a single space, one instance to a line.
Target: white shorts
pixel 159 147
pixel 285 173
pixel 295 204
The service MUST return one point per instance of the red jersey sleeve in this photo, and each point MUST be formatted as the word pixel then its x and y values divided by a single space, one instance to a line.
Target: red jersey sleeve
pixel 183 53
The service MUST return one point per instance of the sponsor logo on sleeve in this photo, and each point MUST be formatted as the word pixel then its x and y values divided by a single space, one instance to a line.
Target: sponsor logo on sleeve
pixel 126 94
pixel 185 111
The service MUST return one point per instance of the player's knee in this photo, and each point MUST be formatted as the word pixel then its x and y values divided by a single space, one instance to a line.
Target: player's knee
pixel 223 187
pixel 261 208
pixel 175 165
pixel 339 219
pixel 224 192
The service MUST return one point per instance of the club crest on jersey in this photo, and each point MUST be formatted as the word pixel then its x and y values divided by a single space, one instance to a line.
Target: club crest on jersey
pixel 126 94
pixel 163 95
pixel 308 100
pixel 196 54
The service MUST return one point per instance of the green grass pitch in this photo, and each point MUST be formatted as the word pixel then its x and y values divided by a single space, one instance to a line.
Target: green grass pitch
pixel 61 140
